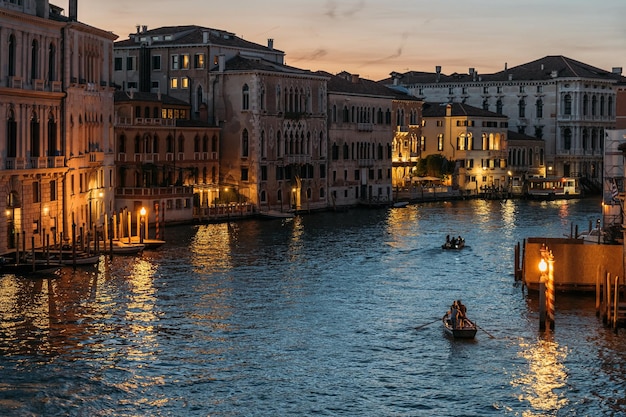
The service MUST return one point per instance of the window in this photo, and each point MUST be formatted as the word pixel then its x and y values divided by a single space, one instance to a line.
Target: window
pixel 198 61
pixel 185 61
pixel 175 64
pixel 440 142
pixel 244 143
pixel 567 139
pixel 132 85
pixel 244 174
pixel 539 106
pixel 521 88
pixel 567 104
pixel 522 108
pixel 154 86
pixel 52 59
pixel 173 82
pixel 130 63
pixel 499 106
pixel 540 88
pixel 263 173
pixel 184 82
pixel 34 58
pixel 12 56
pixel 53 190
pixel 245 92
pixel 36 193
pixel 485 90
pixel 119 64
pixel 156 62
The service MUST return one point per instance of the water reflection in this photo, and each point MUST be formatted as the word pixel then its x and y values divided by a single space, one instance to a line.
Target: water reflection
pixel 545 377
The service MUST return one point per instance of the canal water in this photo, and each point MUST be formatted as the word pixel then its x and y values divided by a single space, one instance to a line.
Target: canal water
pixel 329 314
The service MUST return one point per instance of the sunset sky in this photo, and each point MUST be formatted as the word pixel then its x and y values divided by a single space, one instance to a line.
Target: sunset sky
pixel 374 37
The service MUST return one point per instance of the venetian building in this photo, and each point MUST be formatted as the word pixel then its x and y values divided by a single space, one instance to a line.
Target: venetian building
pixel 273 148
pixel 475 140
pixel 176 60
pixel 165 162
pixel 57 101
pixel 362 118
pixel 567 103
pixel 408 141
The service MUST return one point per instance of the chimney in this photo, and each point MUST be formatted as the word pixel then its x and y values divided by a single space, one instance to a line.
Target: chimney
pixel 355 78
pixel 138 29
pixel 270 43
pixel 617 70
pixel 73 10
pixel 438 71
pixel 205 36
pixel 448 110
pixel 506 66
pixel 144 29
pixel 42 8
pixel 471 71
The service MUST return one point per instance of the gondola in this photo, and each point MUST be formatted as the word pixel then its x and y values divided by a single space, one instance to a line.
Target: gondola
pixel 454 244
pixel 465 330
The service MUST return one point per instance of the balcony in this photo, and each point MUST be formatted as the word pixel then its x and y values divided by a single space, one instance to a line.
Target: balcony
pixel 365 127
pixel 154 191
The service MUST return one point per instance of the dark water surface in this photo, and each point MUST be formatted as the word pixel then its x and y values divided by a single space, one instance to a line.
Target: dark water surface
pixel 313 316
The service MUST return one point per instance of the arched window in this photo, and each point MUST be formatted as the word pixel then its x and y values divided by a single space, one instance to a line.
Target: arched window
pixel 585 104
pixel 244 143
pixel 602 106
pixel 594 103
pixel 205 143
pixel 34 135
pixel 609 107
pixel 52 57
pixel 169 144
pixel 12 57
pixel 539 108
pixel 121 144
pixel 155 144
pixel 522 108
pixel 11 135
pixel 567 139
pixel 486 104
pixel 567 105
pixel 52 135
pixel 214 143
pixel 499 106
pixel 181 144
pixel 196 143
pixel 278 144
pixel 34 60
pixel 585 139
pixel 262 145
pixel 245 97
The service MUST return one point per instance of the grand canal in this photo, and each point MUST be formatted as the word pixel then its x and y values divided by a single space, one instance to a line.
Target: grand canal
pixel 318 315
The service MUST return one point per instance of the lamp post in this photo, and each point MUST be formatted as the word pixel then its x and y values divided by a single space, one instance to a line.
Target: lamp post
pixel 550 289
pixel 543 267
pixel 142 212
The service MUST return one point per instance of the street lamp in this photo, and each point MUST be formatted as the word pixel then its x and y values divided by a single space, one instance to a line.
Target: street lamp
pixel 543 267
pixel 142 212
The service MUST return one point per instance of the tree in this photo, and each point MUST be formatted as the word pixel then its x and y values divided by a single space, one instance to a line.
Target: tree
pixel 434 165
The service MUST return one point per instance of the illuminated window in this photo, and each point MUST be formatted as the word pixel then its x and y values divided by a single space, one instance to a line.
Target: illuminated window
pixel 198 61
pixel 173 82
pixel 184 81
pixel 185 61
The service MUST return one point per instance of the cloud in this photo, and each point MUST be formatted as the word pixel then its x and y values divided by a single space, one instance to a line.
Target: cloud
pixel 332 9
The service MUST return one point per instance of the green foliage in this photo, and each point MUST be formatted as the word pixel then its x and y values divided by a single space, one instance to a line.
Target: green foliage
pixel 435 165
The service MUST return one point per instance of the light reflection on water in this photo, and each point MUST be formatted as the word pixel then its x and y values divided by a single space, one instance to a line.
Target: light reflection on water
pixel 314 315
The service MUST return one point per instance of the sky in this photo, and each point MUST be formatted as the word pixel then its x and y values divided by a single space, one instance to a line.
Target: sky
pixel 372 38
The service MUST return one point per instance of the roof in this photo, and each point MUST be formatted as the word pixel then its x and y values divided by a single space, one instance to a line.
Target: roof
pixel 241 63
pixel 190 35
pixel 513 135
pixel 431 109
pixel 123 97
pixel 546 68
pixel 347 83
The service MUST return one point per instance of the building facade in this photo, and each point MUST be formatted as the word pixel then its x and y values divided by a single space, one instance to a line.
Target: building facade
pixel 176 60
pixel 273 148
pixel 56 93
pixel 165 162
pixel 566 103
pixel 475 140
pixel 361 126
